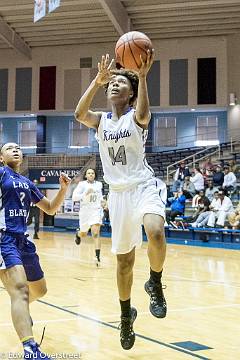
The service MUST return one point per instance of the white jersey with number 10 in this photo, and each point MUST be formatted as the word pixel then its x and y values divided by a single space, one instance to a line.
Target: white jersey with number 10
pixel 122 151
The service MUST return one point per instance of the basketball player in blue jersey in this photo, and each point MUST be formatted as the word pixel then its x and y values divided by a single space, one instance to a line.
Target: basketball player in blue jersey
pixel 20 271
pixel 135 197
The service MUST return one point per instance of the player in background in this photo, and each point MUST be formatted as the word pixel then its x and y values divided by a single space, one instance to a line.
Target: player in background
pixel 34 213
pixel 135 197
pixel 20 270
pixel 89 193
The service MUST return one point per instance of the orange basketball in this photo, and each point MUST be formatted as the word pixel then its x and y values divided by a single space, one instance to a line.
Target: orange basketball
pixel 129 48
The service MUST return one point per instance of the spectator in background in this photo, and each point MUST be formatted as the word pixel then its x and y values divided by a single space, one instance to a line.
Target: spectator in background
pixel 197 179
pixel 234 217
pixel 207 165
pixel 210 175
pixel 195 200
pixel 223 208
pixel 205 177
pixel 34 213
pixel 203 217
pixel 201 204
pixel 218 177
pixel 210 190
pixel 235 168
pixel 177 206
pixel 188 188
pixel 213 204
pixel 179 176
pixel 230 180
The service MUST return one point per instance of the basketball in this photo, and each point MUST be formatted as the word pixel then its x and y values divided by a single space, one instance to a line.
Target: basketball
pixel 129 48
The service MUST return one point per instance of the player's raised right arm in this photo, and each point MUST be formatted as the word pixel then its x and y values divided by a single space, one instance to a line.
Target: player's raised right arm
pixel 83 113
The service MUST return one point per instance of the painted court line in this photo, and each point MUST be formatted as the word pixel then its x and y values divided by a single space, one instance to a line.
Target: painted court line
pixel 109 324
pixel 116 315
pixel 194 308
pixel 212 282
pixel 116 328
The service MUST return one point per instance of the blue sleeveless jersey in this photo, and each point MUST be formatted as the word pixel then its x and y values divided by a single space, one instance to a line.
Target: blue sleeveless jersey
pixel 16 194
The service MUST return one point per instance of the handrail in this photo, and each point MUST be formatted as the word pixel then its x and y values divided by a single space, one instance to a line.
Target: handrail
pixel 193 156
pixel 91 163
pixel 208 155
pixel 231 144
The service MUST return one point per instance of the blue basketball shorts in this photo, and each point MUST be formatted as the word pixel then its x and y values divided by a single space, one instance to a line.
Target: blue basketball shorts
pixel 17 249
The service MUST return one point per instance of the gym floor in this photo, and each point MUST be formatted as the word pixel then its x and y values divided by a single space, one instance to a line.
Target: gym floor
pixel 81 308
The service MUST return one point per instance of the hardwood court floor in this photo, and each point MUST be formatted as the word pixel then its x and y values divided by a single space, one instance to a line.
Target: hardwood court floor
pixel 81 309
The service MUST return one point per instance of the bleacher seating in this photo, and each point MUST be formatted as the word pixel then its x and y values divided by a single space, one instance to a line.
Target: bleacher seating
pixel 203 234
pixel 159 162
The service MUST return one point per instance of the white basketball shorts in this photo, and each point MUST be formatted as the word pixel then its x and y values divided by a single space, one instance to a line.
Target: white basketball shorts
pixel 127 209
pixel 89 217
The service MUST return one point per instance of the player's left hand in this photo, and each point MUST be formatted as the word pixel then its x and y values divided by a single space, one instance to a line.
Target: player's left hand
pixel 146 65
pixel 104 70
pixel 64 180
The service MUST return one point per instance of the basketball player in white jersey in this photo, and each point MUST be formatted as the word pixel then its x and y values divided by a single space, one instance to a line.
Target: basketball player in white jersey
pixel 134 197
pixel 89 193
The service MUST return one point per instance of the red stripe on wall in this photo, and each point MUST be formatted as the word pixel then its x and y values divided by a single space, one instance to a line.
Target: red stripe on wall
pixel 47 88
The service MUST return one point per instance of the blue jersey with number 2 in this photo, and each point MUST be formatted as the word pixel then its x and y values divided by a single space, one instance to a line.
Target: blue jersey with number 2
pixel 16 194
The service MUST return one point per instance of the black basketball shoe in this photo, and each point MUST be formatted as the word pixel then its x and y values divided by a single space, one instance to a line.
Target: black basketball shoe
pixel 77 238
pixel 127 335
pixel 158 305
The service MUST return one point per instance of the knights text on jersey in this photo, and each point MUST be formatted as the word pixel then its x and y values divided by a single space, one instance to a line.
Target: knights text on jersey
pixel 16 194
pixel 122 151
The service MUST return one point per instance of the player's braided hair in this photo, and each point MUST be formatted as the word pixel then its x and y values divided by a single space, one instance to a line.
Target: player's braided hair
pixel 132 76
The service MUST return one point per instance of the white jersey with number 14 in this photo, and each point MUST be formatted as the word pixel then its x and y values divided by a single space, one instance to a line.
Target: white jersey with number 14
pixel 122 151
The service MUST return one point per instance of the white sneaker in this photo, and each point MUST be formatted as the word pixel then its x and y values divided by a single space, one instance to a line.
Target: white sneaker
pixel 173 224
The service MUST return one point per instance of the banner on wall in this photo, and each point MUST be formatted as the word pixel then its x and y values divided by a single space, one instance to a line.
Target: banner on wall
pixel 53 4
pixel 39 9
pixel 51 176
